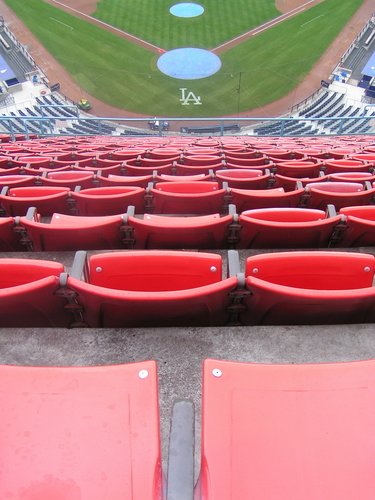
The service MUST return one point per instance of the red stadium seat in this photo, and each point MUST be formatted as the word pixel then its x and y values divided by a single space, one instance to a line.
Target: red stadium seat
pixel 351 177
pixel 296 169
pixel 46 199
pixel 199 198
pixel 235 162
pixel 99 164
pixel 9 171
pixel 183 169
pixel 282 154
pixel 339 152
pixel 289 183
pixel 310 288
pixel 152 288
pixel 38 171
pixel 287 228
pixel 313 153
pixel 153 163
pixel 9 238
pixel 126 154
pixel 148 170
pixel 71 232
pixel 337 166
pixel 28 294
pixel 164 153
pixel 247 199
pixel 365 157
pixel 163 232
pixel 34 161
pixel 244 178
pixel 68 178
pixel 360 226
pixel 117 169
pixel 340 194
pixel 241 154
pixel 180 178
pixel 268 431
pixel 125 180
pixel 201 160
pixel 203 147
pixel 17 180
pixel 109 200
pixel 84 432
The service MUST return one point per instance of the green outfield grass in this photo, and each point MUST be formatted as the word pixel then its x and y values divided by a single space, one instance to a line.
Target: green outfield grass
pixel 125 75
pixel 151 21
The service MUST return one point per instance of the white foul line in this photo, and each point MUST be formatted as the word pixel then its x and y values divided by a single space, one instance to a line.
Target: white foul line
pixel 311 20
pixel 128 35
pixel 268 24
pixel 60 22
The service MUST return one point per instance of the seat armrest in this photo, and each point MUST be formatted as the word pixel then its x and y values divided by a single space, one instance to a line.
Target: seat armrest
pixel 32 214
pixel 180 477
pixel 79 265
pixel 331 210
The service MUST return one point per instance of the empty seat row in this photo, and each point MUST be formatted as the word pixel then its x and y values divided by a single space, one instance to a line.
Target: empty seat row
pixel 146 144
pixel 201 157
pixel 267 432
pixel 259 228
pixel 200 198
pixel 176 288
pixel 286 176
pixel 241 178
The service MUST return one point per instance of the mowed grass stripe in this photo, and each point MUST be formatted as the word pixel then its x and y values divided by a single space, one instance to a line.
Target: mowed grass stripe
pixel 125 75
pixel 151 20
pixel 278 59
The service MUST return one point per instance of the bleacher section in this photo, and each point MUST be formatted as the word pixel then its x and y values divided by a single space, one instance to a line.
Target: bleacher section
pixel 127 185
pixel 211 237
pixel 16 59
pixel 361 50
pixel 327 104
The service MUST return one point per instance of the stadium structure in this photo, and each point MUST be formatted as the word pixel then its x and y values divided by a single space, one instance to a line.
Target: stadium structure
pixel 187 304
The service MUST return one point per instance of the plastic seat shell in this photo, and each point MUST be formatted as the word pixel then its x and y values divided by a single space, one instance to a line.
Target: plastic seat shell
pixel 154 288
pixel 268 430
pixel 310 288
pixel 89 432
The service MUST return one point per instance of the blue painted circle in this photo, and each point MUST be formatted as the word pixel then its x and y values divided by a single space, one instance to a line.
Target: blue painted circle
pixel 189 63
pixel 186 10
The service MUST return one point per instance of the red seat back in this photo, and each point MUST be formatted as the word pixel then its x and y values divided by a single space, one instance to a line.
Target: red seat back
pixel 268 431
pixel 80 432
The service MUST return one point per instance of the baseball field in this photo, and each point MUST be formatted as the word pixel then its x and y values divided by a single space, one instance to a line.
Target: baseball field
pixel 256 69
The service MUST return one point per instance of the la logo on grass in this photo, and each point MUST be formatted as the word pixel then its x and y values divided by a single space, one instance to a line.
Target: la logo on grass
pixel 189 97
